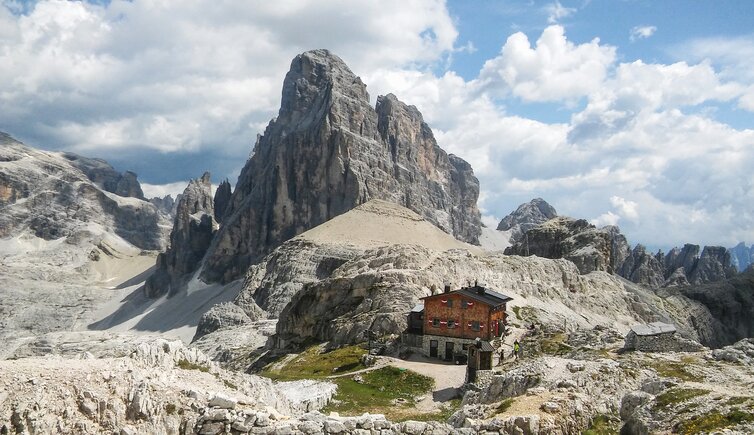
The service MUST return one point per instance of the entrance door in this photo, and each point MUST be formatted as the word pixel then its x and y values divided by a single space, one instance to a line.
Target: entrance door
pixel 449 350
pixel 433 348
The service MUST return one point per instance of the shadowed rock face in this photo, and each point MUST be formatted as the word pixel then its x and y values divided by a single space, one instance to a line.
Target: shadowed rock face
pixel 587 246
pixel 527 216
pixel 192 232
pixel 328 151
pixel 222 198
pixel 731 303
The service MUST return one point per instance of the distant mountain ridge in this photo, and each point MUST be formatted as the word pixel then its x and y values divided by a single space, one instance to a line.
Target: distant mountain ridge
pixel 63 195
pixel 742 256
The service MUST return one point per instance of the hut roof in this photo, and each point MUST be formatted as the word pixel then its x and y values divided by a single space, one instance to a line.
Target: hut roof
pixel 654 328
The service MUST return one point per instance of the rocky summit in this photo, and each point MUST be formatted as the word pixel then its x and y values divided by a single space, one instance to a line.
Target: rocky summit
pixel 193 228
pixel 587 246
pixel 527 216
pixel 328 151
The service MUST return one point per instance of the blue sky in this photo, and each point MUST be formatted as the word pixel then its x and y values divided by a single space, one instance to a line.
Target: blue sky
pixel 635 113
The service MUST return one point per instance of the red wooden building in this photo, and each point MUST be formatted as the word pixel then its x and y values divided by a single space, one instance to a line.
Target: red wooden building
pixel 454 319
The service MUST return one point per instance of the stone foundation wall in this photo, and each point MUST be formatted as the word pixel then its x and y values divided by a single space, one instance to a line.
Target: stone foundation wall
pixel 457 344
pixel 668 342
pixel 483 378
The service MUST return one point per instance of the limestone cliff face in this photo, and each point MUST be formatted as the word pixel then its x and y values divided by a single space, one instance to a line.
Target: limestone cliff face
pixel 527 216
pixel 58 195
pixel 587 246
pixel 642 267
pixel 192 233
pixel 679 267
pixel 328 151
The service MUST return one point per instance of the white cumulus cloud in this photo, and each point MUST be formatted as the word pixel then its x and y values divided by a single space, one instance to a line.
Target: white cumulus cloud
pixel 641 32
pixel 554 69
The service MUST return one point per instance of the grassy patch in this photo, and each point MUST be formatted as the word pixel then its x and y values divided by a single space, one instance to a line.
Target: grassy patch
pixel 313 364
pixel 170 408
pixel 555 344
pixel 738 400
pixel 603 425
pixel 713 421
pixel 504 405
pixel 517 312
pixel 676 370
pixel 678 395
pixel 379 392
pixel 187 365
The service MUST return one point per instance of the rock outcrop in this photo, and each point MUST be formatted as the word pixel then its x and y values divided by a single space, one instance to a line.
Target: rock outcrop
pixel 527 216
pixel 105 176
pixel 678 267
pixel 713 265
pixel 587 246
pixel 643 268
pixel 328 151
pixel 166 205
pixel 376 290
pixel 742 256
pixel 731 304
pixel 63 196
pixel 222 199
pixel 193 228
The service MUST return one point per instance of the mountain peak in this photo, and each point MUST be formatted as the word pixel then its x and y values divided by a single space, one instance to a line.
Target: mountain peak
pixel 315 77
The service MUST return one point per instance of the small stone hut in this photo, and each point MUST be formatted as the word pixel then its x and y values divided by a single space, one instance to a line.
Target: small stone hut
pixel 658 337
pixel 651 337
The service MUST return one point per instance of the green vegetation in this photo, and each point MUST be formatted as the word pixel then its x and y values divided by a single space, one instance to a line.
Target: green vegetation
pixel 738 400
pixel 678 395
pixel 504 405
pixel 517 312
pixel 554 344
pixel 388 390
pixel 676 370
pixel 604 425
pixel 313 364
pixel 170 408
pixel 713 421
pixel 186 365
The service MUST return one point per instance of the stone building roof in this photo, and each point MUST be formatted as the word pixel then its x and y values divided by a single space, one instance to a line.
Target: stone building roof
pixel 654 328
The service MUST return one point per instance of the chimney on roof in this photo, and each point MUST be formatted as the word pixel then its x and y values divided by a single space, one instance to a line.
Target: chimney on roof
pixel 478 343
pixel 447 288
pixel 479 287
